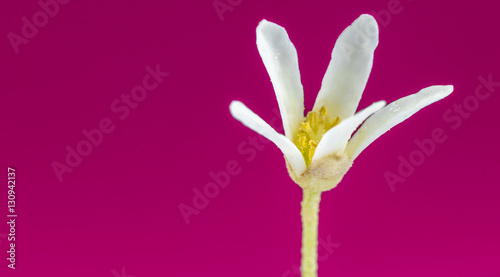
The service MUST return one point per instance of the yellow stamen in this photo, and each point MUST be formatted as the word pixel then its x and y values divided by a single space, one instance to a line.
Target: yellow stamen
pixel 311 130
pixel 305 127
pixel 301 142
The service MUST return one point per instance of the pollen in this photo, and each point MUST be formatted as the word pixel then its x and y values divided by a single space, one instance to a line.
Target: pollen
pixel 311 130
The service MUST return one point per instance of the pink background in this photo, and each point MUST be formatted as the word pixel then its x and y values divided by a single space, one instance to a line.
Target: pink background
pixel 117 213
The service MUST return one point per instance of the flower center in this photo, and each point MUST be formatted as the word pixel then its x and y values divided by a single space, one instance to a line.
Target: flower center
pixel 311 130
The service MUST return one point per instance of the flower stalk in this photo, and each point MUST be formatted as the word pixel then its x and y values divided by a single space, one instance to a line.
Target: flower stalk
pixel 310 214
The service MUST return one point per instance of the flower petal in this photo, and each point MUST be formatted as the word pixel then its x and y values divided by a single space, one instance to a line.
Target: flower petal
pixel 393 114
pixel 335 140
pixel 280 58
pixel 254 122
pixel 349 69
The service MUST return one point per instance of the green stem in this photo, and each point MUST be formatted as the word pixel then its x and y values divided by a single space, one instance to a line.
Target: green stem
pixel 309 214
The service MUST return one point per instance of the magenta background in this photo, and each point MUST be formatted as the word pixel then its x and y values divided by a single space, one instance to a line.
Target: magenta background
pixel 119 208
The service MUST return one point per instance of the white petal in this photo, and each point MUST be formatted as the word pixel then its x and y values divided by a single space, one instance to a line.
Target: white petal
pixel 393 114
pixel 349 69
pixel 254 122
pixel 280 58
pixel 335 140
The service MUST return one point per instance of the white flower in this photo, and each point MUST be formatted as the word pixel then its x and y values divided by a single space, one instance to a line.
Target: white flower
pixel 318 148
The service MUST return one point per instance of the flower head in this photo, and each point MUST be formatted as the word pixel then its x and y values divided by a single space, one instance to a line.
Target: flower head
pixel 320 147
